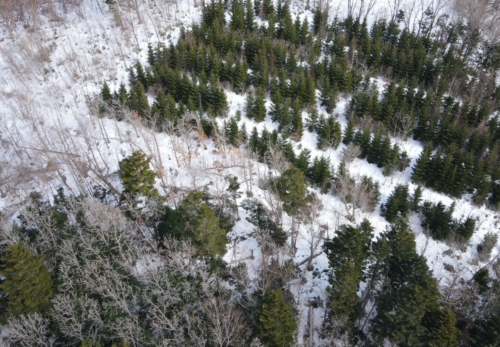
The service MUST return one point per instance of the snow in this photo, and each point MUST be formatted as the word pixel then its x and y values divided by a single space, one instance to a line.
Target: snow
pixel 43 106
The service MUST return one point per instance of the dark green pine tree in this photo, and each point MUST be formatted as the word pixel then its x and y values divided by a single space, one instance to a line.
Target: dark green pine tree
pixel 411 290
pixel 320 173
pixel 259 106
pixel 237 15
pixel 344 302
pixel 292 190
pixel 232 132
pixel 249 106
pixel 249 16
pixel 276 324
pixel 302 161
pixel 106 93
pixel 141 76
pixel 142 103
pixel 297 128
pixel 416 199
pixel 122 95
pixel 268 8
pixel 253 142
pixel 441 329
pixel 202 226
pixel 421 169
pixel 328 96
pixel 136 176
pixel 349 132
pixel 398 204
pixel 27 283
pixel 277 106
pixel 329 133
pixel 375 148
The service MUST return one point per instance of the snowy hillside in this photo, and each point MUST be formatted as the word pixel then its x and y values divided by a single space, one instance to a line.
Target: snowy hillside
pixel 54 134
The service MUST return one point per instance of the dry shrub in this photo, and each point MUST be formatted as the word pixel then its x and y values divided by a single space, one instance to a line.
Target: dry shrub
pixel 484 248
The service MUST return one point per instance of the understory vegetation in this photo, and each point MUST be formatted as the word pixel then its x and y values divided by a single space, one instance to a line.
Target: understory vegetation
pixel 151 263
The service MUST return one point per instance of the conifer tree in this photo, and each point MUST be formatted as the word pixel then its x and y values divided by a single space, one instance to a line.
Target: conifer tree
pixel 420 170
pixel 276 322
pixel 232 132
pixel 297 125
pixel 302 162
pixel 136 176
pixel 268 8
pixel 259 106
pixel 142 106
pixel 349 132
pixel 27 282
pixel 398 204
pixel 202 226
pixel 411 290
pixel 320 173
pixel 249 16
pixel 106 93
pixel 441 329
pixel 344 301
pixel 250 105
pixel 237 15
pixel 292 190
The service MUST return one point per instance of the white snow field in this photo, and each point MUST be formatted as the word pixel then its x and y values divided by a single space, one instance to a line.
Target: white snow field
pixel 52 68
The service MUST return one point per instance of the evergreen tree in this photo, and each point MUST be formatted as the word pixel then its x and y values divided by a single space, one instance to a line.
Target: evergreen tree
pixel 136 176
pixel 106 93
pixel 344 301
pixel 302 162
pixel 202 225
pixel 349 132
pixel 417 197
pixel 329 133
pixel 259 106
pixel 249 16
pixel 438 219
pixel 411 290
pixel 297 127
pixel 420 171
pixel 237 15
pixel 320 173
pixel 27 282
pixel 292 190
pixel 232 132
pixel 398 204
pixel 276 322
pixel 441 329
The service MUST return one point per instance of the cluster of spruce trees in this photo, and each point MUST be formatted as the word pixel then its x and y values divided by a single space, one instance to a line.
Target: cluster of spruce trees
pixel 285 60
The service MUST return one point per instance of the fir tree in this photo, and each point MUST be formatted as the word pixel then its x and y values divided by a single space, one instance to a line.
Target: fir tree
pixel 106 93
pixel 259 106
pixel 276 322
pixel 302 162
pixel 420 171
pixel 398 204
pixel 202 226
pixel 320 173
pixel 411 291
pixel 349 132
pixel 232 132
pixel 237 16
pixel 292 190
pixel 27 282
pixel 249 16
pixel 136 176
pixel 441 329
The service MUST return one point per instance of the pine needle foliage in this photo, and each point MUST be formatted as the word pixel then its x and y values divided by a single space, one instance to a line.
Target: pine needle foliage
pixel 27 281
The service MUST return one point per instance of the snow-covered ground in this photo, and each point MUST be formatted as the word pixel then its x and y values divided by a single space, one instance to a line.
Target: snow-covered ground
pixel 48 74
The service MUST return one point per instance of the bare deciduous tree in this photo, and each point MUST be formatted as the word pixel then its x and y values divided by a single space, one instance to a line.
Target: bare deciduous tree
pixel 354 193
